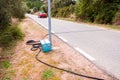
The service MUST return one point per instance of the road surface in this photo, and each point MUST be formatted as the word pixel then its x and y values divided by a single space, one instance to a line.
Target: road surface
pixel 101 46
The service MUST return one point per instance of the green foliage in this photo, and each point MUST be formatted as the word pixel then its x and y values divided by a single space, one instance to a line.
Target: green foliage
pixel 62 3
pixel 18 9
pixel 63 12
pixel 44 8
pixel 117 18
pixel 9 35
pixel 54 12
pixel 4 13
pixel 28 11
pixel 35 9
pixel 47 74
pixel 34 4
pixel 62 8
pixel 8 9
pixel 100 11
pixel 107 12
pixel 29 4
pixel 6 64
pixel 83 9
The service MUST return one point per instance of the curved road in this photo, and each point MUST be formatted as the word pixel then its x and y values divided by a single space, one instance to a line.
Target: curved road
pixel 101 46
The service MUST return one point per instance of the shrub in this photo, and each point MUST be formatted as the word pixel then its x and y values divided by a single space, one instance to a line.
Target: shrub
pixel 9 35
pixel 100 11
pixel 54 12
pixel 47 74
pixel 35 9
pixel 63 12
pixel 60 12
pixel 8 9
pixel 117 18
pixel 6 64
pixel 5 16
pixel 6 39
pixel 83 9
pixel 44 8
pixel 28 11
pixel 106 13
pixel 17 9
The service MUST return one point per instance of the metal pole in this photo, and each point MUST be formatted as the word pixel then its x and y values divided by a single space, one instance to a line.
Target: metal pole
pixel 49 21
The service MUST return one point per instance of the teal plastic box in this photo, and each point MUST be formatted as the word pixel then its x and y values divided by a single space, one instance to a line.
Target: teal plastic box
pixel 46 45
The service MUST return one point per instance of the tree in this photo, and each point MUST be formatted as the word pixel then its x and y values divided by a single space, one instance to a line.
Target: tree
pixel 83 9
pixel 100 11
pixel 8 9
pixel 34 4
pixel 18 9
pixel 5 14
pixel 61 3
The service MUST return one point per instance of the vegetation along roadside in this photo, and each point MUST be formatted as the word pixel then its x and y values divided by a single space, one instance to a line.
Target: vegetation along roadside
pixel 11 13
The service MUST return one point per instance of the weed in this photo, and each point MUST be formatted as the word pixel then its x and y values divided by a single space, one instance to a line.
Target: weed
pixel 10 35
pixel 6 64
pixel 83 69
pixel 55 78
pixel 7 78
pixel 25 78
pixel 12 71
pixel 48 74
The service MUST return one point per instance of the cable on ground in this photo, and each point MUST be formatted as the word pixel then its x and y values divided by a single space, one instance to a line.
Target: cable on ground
pixel 37 45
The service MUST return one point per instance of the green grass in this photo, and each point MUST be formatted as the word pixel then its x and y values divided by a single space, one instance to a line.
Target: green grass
pixel 4 64
pixel 47 74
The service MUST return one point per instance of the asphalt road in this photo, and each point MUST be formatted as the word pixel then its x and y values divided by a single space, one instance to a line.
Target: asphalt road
pixel 101 46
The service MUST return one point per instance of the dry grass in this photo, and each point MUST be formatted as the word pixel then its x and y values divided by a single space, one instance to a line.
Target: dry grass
pixel 26 67
pixel 108 26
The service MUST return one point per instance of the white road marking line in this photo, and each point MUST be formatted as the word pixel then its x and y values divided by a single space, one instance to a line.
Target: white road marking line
pixel 63 39
pixel 53 32
pixel 85 54
pixel 46 27
pixel 43 26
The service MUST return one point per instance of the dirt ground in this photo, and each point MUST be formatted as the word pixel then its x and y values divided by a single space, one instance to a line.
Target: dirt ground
pixel 25 67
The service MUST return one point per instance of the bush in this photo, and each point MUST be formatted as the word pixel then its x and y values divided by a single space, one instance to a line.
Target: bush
pixel 5 15
pixel 44 8
pixel 28 11
pixel 35 9
pixel 117 18
pixel 63 12
pixel 106 13
pixel 9 35
pixel 83 10
pixel 19 11
pixel 8 9
pixel 100 11
pixel 54 12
